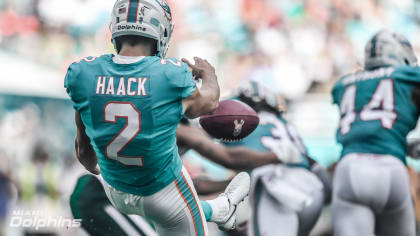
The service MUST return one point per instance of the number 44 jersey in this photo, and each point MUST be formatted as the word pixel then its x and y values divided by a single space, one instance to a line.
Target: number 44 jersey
pixel 131 113
pixel 376 110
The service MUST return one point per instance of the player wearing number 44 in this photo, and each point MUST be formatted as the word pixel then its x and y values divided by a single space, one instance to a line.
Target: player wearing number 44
pixel 128 107
pixel 379 106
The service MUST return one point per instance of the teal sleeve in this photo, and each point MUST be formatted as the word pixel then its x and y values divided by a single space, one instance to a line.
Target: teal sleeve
pixel 407 74
pixel 180 77
pixel 189 86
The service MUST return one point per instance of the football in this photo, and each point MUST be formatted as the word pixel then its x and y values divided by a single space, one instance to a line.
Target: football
pixel 232 121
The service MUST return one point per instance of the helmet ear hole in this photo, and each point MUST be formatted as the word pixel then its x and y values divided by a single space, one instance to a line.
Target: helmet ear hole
pixel 165 34
pixel 406 62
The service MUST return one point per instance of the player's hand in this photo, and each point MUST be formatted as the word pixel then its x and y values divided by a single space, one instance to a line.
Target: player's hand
pixel 200 67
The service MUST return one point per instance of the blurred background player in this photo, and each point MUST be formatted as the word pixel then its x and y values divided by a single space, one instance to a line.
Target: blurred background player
pixel 378 107
pixel 286 199
pixel 138 156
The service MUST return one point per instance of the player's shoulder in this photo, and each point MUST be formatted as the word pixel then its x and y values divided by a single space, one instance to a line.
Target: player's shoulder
pixel 339 84
pixel 77 67
pixel 173 65
pixel 89 61
pixel 176 72
pixel 364 75
pixel 347 79
pixel 342 83
pixel 407 74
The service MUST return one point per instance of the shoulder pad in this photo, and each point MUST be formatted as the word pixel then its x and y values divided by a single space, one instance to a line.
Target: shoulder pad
pixel 407 73
pixel 175 69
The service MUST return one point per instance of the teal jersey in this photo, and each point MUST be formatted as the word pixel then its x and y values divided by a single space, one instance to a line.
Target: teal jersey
pixel 271 131
pixel 131 113
pixel 376 110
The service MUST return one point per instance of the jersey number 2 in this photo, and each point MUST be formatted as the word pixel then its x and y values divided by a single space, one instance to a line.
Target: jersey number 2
pixel 380 107
pixel 125 110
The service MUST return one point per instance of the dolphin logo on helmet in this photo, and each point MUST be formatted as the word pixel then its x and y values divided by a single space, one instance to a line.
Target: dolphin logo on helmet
pixel 167 9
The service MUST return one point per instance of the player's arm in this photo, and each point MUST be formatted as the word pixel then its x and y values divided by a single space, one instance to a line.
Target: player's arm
pixel 413 148
pixel 206 186
pixel 236 158
pixel 206 99
pixel 415 97
pixel 84 150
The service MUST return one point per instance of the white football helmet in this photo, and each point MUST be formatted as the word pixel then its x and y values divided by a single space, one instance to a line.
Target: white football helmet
pixel 389 49
pixel 147 18
pixel 253 92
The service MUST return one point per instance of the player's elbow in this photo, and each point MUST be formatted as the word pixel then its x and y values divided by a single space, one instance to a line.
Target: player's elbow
pixel 210 101
pixel 200 109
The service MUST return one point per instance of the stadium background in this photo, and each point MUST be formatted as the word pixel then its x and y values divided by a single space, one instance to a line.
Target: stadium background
pixel 297 47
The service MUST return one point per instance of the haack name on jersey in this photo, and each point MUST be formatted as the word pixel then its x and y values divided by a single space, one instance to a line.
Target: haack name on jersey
pixel 132 86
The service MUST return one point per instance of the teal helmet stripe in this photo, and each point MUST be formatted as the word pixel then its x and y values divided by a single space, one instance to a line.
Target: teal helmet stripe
pixel 255 88
pixel 133 9
pixel 373 46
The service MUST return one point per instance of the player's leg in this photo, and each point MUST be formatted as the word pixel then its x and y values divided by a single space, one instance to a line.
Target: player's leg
pixel 306 196
pixel 90 204
pixel 352 187
pixel 286 193
pixel 351 219
pixel 223 209
pixel 176 209
pixel 310 214
pixel 269 217
pixel 398 216
pixel 401 221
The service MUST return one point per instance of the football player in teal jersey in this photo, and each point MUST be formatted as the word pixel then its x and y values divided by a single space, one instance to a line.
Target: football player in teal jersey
pixel 128 107
pixel 286 197
pixel 378 107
